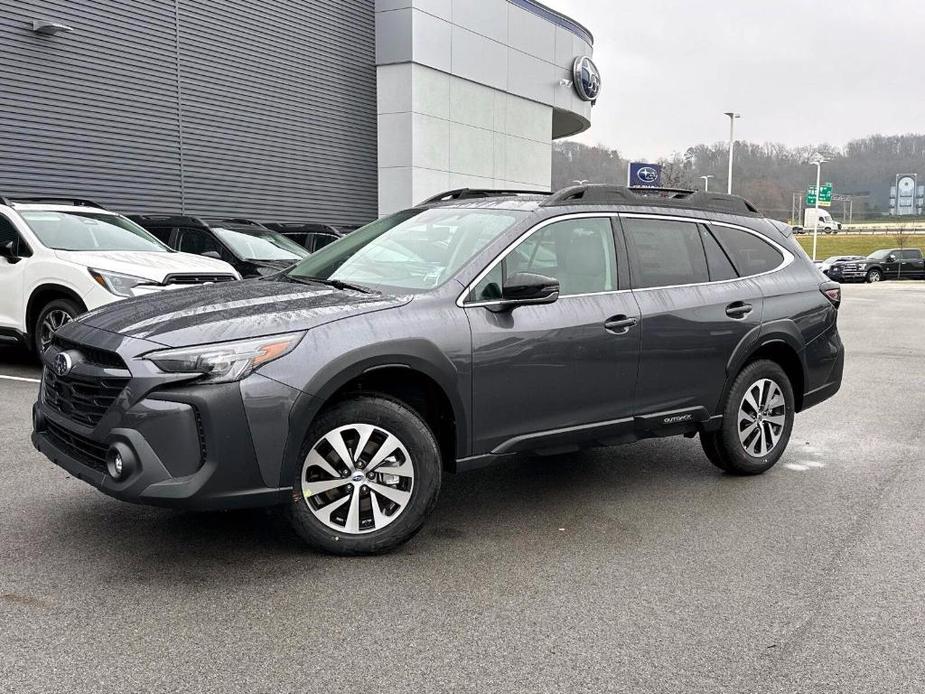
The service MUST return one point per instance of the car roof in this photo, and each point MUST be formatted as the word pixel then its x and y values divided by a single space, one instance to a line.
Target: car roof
pixel 597 197
pixel 50 207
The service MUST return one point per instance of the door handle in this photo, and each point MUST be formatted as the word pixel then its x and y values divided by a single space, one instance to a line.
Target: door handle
pixel 738 309
pixel 620 325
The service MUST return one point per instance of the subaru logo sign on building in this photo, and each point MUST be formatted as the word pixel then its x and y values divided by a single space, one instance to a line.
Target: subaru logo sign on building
pixel 586 78
pixel 642 175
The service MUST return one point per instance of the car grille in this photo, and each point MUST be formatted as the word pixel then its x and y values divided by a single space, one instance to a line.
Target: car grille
pixel 197 279
pixel 91 355
pixel 848 266
pixel 82 400
pixel 87 451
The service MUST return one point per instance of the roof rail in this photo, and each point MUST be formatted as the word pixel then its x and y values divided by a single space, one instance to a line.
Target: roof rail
pixel 76 202
pixel 302 226
pixel 599 194
pixel 473 193
pixel 168 220
pixel 234 220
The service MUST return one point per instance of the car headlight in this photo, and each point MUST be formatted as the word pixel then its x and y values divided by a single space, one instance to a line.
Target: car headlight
pixel 225 362
pixel 117 283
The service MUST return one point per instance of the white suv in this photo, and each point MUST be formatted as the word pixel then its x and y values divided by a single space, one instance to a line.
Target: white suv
pixel 61 257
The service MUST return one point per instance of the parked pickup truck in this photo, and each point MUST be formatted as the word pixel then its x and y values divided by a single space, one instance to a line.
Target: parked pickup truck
pixel 885 264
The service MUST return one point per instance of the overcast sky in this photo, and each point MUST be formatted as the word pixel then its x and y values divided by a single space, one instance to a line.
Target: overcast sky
pixel 671 67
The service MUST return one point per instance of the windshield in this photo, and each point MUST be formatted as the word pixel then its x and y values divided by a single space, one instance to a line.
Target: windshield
pixel 89 231
pixel 413 249
pixel 261 244
pixel 880 255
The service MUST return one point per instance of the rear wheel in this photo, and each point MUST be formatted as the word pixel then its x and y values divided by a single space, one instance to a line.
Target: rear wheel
pixel 757 421
pixel 369 475
pixel 874 276
pixel 54 314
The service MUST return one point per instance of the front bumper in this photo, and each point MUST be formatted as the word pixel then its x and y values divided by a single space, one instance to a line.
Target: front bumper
pixel 184 445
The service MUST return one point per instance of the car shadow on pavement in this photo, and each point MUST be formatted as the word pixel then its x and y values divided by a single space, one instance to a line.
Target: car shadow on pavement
pixel 524 500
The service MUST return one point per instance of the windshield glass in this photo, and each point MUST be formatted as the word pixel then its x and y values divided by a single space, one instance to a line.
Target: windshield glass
pixel 880 255
pixel 413 249
pixel 89 231
pixel 261 244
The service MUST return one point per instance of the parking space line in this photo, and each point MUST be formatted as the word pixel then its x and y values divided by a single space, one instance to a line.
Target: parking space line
pixel 20 378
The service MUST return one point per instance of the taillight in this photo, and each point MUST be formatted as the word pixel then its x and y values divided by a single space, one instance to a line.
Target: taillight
pixel 832 291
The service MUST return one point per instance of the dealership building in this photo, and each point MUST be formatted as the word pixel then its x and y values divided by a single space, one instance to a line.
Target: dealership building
pixel 285 110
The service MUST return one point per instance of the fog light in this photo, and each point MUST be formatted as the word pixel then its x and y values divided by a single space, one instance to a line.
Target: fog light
pixel 119 461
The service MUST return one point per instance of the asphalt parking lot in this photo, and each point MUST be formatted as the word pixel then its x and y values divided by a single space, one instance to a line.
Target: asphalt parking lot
pixel 638 569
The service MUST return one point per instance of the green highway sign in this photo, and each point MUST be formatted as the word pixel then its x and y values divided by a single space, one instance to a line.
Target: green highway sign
pixel 825 195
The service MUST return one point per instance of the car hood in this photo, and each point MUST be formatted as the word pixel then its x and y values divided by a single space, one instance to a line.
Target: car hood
pixel 151 265
pixel 233 310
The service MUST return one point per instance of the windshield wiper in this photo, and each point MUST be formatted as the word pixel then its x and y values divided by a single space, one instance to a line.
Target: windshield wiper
pixel 337 284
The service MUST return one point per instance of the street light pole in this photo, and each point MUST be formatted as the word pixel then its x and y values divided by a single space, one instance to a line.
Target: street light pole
pixel 732 119
pixel 818 161
pixel 706 182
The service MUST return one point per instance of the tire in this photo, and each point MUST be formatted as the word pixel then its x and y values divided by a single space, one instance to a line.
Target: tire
pixel 874 276
pixel 52 316
pixel 752 454
pixel 341 518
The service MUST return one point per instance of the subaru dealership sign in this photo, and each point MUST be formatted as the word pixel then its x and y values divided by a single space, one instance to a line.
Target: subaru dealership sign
pixel 642 175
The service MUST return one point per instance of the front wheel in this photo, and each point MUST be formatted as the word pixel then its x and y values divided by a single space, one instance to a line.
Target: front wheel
pixel 874 276
pixel 368 476
pixel 54 314
pixel 757 421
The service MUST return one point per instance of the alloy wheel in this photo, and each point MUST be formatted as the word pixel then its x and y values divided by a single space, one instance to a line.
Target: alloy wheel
pixel 53 320
pixel 357 478
pixel 762 417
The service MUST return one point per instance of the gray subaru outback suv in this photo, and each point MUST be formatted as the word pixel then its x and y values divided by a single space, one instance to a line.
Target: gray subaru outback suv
pixel 474 327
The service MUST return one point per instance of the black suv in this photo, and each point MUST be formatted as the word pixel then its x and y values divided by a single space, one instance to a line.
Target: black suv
pixel 251 248
pixel 442 338
pixel 885 264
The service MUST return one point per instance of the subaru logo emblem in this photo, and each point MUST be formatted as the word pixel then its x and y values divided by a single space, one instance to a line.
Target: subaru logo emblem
pixel 586 78
pixel 62 364
pixel 647 174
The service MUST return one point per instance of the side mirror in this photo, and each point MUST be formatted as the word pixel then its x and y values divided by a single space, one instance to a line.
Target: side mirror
pixel 8 251
pixel 211 254
pixel 525 288
pixel 891 259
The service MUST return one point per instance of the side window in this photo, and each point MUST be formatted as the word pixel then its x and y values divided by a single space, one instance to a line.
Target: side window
pixel 750 254
pixel 577 252
pixel 321 240
pixel 718 262
pixel 197 241
pixel 8 233
pixel 161 234
pixel 665 253
pixel 913 254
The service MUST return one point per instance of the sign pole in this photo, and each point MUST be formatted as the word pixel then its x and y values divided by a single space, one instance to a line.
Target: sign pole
pixel 816 220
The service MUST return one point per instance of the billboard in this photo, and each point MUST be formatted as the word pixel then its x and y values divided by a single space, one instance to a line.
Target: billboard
pixel 642 175
pixel 905 195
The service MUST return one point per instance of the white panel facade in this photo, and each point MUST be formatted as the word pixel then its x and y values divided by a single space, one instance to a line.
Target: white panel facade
pixel 468 96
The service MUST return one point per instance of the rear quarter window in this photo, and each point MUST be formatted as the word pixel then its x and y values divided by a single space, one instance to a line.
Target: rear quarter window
pixel 749 253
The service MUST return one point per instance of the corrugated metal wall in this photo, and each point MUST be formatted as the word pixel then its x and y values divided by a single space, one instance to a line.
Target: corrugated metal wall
pixel 224 107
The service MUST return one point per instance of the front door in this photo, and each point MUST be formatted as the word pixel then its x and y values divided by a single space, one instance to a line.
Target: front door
pixel 549 374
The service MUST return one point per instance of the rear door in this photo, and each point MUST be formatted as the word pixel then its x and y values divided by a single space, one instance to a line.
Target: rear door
pixel 913 266
pixel 11 277
pixel 696 309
